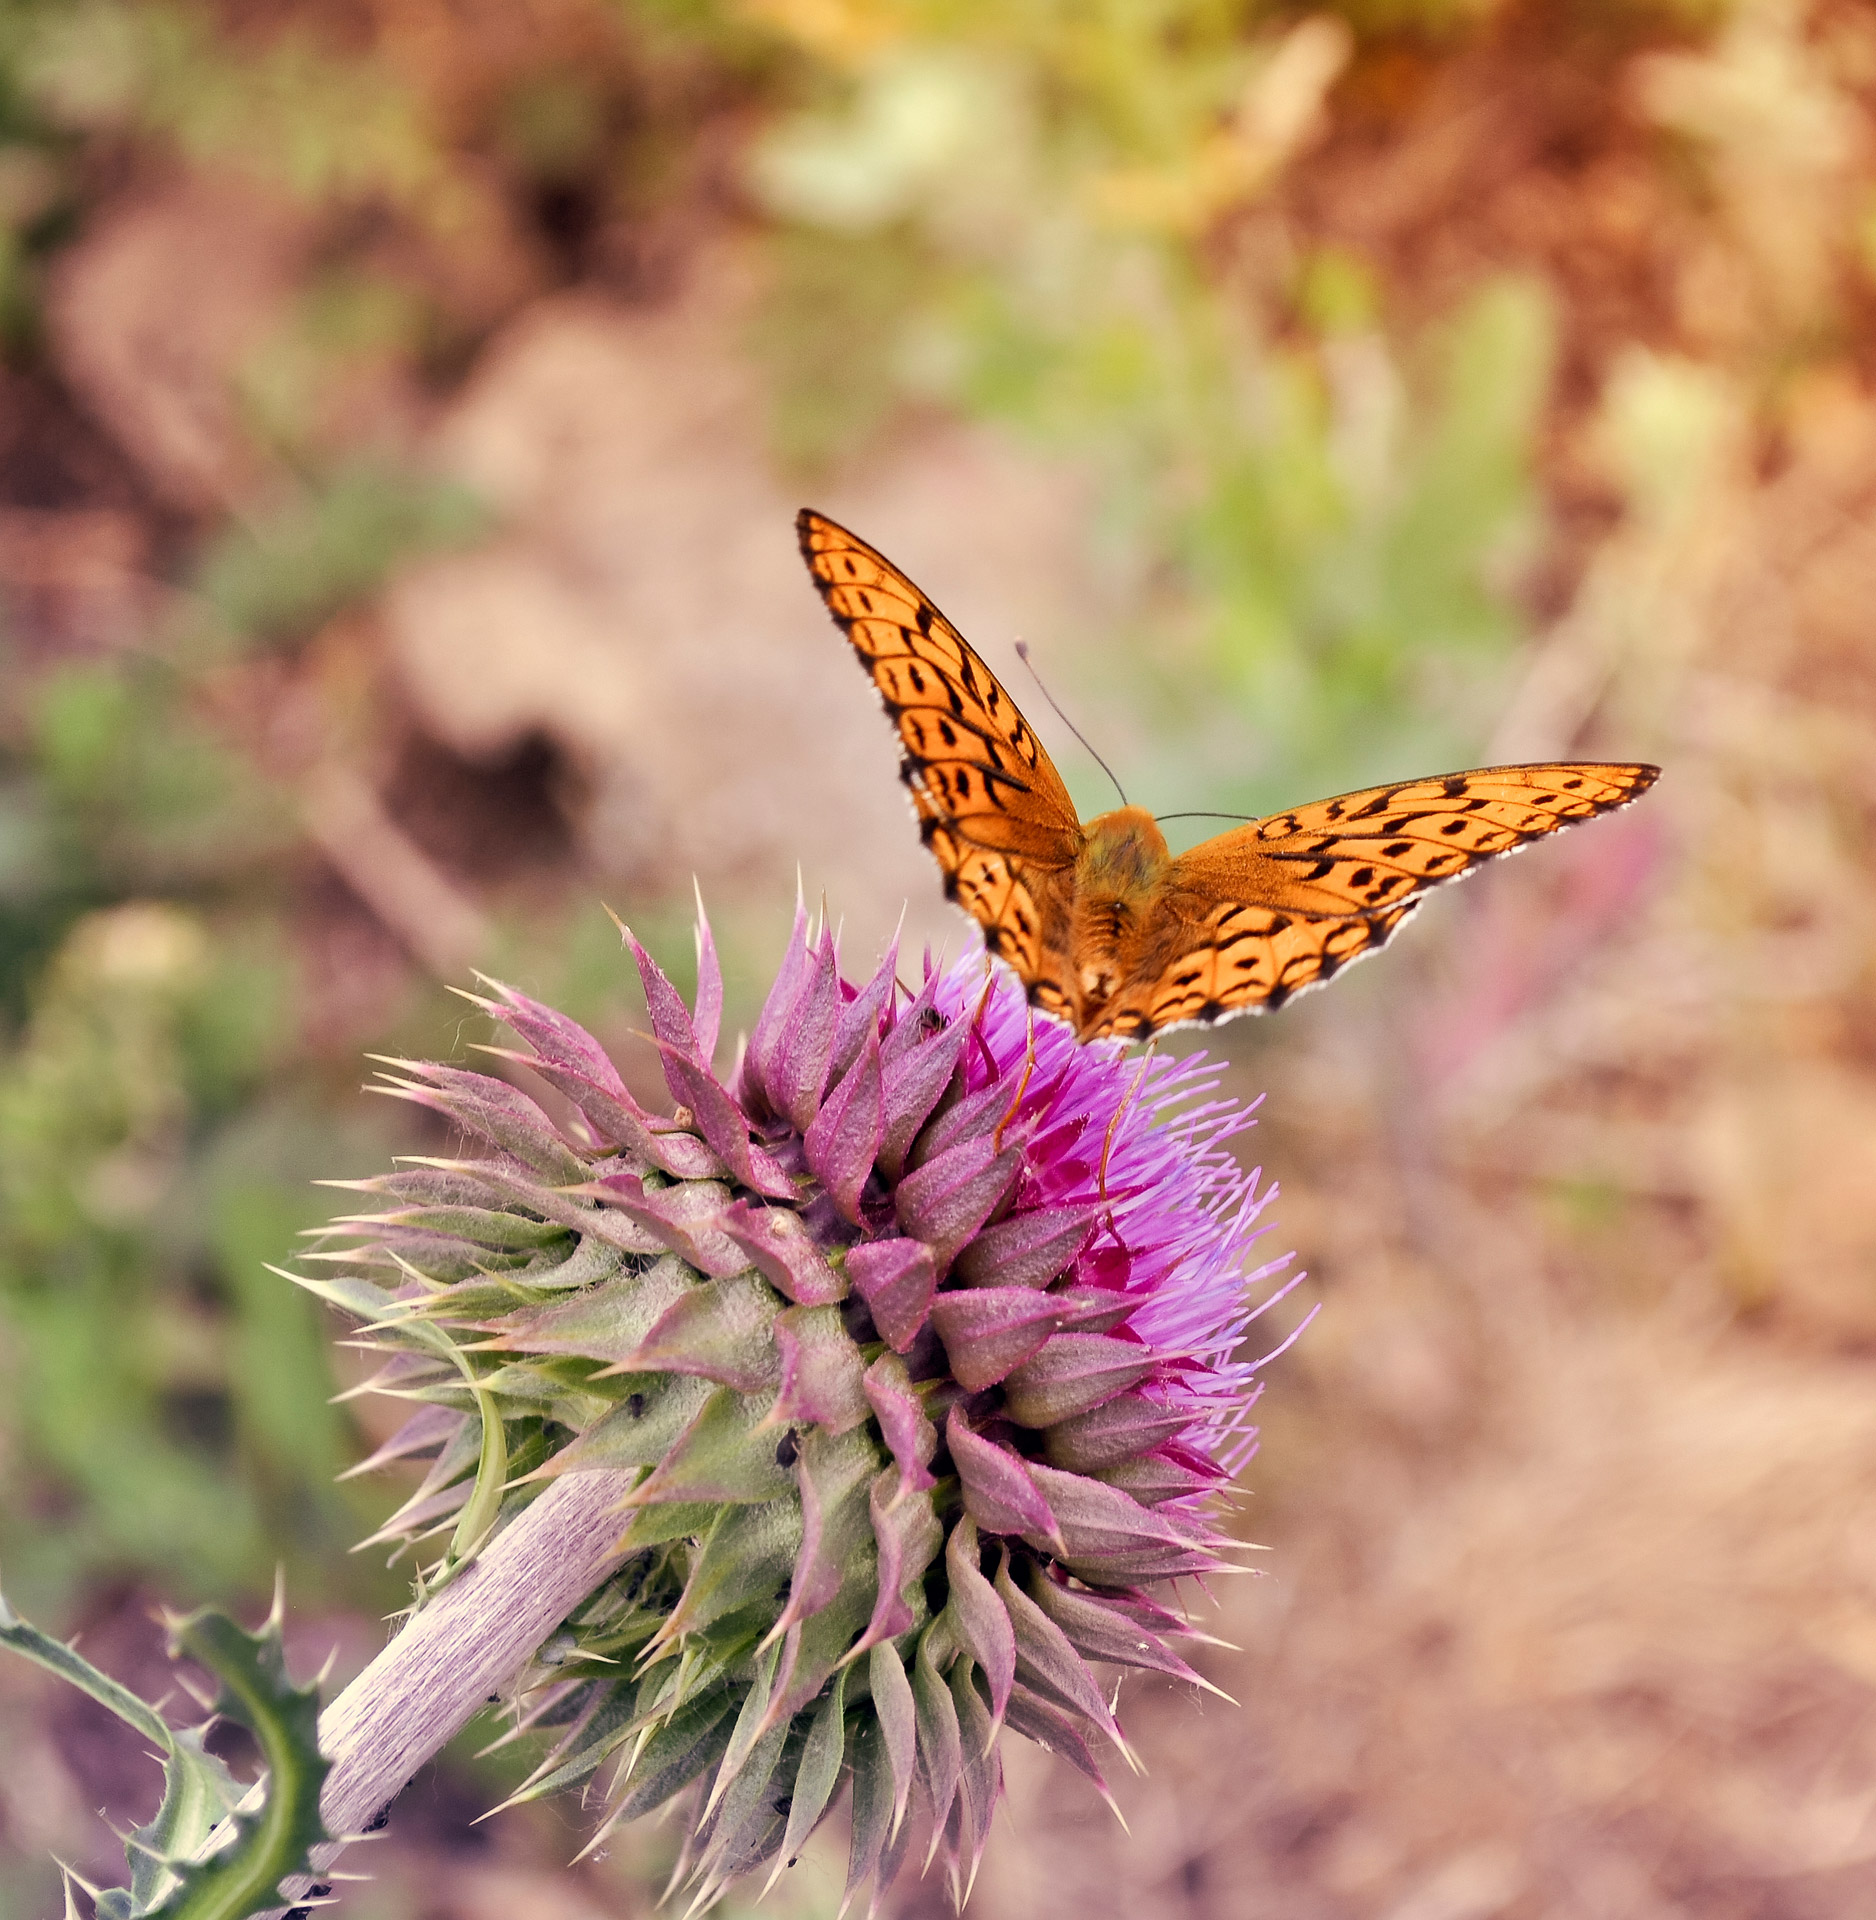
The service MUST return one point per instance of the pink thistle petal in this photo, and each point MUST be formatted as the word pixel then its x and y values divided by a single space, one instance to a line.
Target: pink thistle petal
pixel 908 1537
pixel 988 1331
pixel 896 1279
pixel 843 1142
pixel 1095 1310
pixel 858 1024
pixel 721 1122
pixel 688 1218
pixel 917 1061
pixel 707 1017
pixel 1098 1630
pixel 1153 1480
pixel 617 1120
pixel 823 1376
pixel 1055 1732
pixel 501 1114
pixel 1000 1493
pixel 752 1087
pixel 1119 1429
pixel 796 1073
pixel 1047 1663
pixel 976 1115
pixel 670 1017
pixel 909 1434
pixel 1109 1538
pixel 950 1197
pixel 774 1238
pixel 558 1040
pixel 1073 1373
pixel 981 1619
pixel 1028 1249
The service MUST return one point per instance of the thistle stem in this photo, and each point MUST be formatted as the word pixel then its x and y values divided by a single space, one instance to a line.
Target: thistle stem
pixel 465 1644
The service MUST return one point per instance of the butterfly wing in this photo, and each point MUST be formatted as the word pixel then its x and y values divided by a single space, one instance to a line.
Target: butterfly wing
pixel 990 805
pixel 1256 915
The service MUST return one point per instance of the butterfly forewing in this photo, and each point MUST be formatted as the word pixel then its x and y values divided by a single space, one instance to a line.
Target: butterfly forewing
pixel 979 777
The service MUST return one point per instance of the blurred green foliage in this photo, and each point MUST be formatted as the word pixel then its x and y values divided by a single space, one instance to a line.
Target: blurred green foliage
pixel 163 1398
pixel 152 1151
pixel 277 577
pixel 290 106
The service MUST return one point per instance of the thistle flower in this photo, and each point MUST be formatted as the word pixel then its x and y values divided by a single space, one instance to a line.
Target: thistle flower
pixel 918 1338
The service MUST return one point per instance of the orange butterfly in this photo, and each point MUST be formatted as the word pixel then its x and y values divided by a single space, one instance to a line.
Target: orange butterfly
pixel 1107 928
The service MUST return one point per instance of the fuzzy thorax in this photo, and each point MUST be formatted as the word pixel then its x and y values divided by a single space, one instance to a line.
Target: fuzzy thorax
pixel 1124 862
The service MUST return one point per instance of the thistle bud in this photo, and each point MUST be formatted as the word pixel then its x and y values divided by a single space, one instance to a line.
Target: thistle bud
pixel 918 1337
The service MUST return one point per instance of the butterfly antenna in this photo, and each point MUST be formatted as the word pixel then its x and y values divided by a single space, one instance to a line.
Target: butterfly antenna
pixel 1022 653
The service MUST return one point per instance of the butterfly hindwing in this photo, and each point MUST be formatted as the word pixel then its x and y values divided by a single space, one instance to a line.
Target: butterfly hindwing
pixel 1240 958
pixel 978 776
pixel 1024 913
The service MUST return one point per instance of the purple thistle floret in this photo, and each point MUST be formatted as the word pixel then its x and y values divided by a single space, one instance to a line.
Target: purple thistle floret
pixel 919 1340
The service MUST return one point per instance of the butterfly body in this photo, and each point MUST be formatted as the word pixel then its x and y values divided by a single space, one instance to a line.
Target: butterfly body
pixel 1107 927
pixel 1118 876
pixel 1125 856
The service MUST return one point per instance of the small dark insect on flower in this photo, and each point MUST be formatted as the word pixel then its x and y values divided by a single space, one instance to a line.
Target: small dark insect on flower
pixel 921 1334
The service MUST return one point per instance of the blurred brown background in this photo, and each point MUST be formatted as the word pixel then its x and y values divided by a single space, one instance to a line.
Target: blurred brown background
pixel 403 404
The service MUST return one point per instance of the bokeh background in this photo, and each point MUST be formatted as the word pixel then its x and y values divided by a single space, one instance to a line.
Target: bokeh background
pixel 402 408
